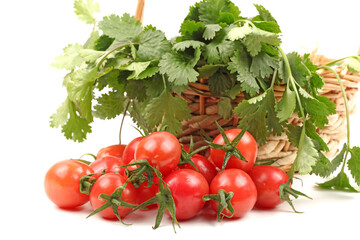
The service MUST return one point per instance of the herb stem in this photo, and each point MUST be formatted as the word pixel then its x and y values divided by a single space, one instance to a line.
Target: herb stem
pixel 111 51
pixel 123 119
pixel 273 78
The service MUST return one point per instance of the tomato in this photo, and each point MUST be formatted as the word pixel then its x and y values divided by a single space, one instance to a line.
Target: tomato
pixel 62 183
pixel 144 193
pixel 161 149
pixel 239 182
pixel 268 180
pixel 109 164
pixel 106 184
pixel 247 146
pixel 205 167
pixel 116 150
pixel 129 151
pixel 187 187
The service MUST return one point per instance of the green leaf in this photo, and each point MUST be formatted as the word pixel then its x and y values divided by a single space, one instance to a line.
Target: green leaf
pixel 264 13
pixel 225 107
pixel 153 45
pixel 340 182
pixel 207 71
pixel 211 11
pixel 124 29
pixel 61 116
pixel 240 64
pixel 210 31
pixel 137 68
pixel 259 116
pixel 80 82
pixel 181 46
pixel 237 33
pixel 91 55
pixel 254 40
pixel 353 64
pixel 103 43
pixel 86 10
pixel 71 58
pixel 287 105
pixel 179 67
pixel 109 105
pixel 324 167
pixel 219 50
pixel 263 65
pixel 168 112
pixel 219 83
pixel 188 28
pixel 354 164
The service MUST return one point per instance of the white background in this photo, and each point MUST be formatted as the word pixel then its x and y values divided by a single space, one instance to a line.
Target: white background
pixel 34 32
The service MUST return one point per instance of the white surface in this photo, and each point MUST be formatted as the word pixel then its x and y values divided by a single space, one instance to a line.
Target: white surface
pixel 34 32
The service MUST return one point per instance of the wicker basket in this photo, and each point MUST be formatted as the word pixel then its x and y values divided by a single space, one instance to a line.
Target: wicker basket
pixel 205 112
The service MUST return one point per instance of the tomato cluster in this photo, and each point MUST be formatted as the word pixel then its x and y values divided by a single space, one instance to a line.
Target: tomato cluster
pixel 157 171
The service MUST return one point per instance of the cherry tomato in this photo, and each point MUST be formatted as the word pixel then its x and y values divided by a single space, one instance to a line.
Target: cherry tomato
pixel 144 193
pixel 116 150
pixel 106 184
pixel 109 164
pixel 247 146
pixel 239 182
pixel 161 149
pixel 205 167
pixel 267 180
pixel 129 151
pixel 187 188
pixel 62 183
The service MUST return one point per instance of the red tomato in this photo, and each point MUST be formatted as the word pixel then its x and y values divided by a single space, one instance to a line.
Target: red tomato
pixel 116 150
pixel 144 193
pixel 108 163
pixel 239 182
pixel 205 167
pixel 106 184
pixel 129 151
pixel 62 183
pixel 187 188
pixel 247 146
pixel 161 149
pixel 268 180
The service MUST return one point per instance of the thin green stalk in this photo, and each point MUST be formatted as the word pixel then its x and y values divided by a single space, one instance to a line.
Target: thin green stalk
pixel 111 51
pixel 346 110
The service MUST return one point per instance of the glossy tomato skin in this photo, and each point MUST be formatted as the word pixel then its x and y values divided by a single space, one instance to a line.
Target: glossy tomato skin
pixel 129 151
pixel 62 183
pixel 161 149
pixel 187 188
pixel 109 164
pixel 144 193
pixel 106 184
pixel 267 180
pixel 205 167
pixel 115 150
pixel 239 182
pixel 247 146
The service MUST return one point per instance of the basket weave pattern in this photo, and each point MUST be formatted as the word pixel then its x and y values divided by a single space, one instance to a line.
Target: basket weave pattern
pixel 205 112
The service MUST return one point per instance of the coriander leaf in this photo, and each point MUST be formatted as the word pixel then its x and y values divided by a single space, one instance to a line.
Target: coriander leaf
pixel 80 82
pixel 210 31
pixel 167 111
pixel 324 167
pixel 75 127
pixel 71 58
pixel 153 45
pixel 340 182
pixel 237 33
pixel 103 43
pixel 207 71
pixel 219 83
pixel 298 69
pixel 354 164
pixel 109 105
pixel 254 40
pixel 91 41
pixel 193 14
pixel 316 81
pixel 179 67
pixel 149 72
pixel 136 89
pixel 113 80
pixel 225 107
pixel 86 10
pixel 287 105
pixel 306 154
pixel 188 28
pixel 263 65
pixel 353 64
pixel 259 116
pixel 91 55
pixel 154 86
pixel 240 64
pixel 137 68
pixel 212 11
pixel 311 131
pixel 264 13
pixel 85 105
pixel 124 29
pixel 219 50
pixel 181 46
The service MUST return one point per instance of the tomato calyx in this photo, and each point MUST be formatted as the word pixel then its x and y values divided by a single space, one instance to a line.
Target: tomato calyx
pixel 187 155
pixel 114 201
pixel 285 190
pixel 224 200
pixel 143 172
pixel 229 146
pixel 87 181
pixel 165 202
